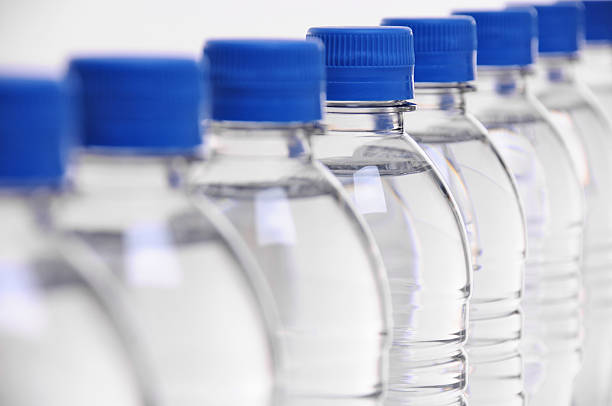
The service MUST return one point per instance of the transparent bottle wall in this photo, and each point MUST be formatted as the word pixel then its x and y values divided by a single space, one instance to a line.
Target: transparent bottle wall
pixel 322 268
pixel 552 198
pixel 488 199
pixel 196 313
pixel 574 108
pixel 594 70
pixel 58 339
pixel 418 229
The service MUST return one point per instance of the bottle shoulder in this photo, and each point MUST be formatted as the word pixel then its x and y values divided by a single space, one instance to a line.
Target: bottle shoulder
pixel 444 127
pixel 568 96
pixel 122 223
pixel 501 109
pixel 393 154
pixel 115 211
pixel 246 177
pixel 159 238
pixel 111 192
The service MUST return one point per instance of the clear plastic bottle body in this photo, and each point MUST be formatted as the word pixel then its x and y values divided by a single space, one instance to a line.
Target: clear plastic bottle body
pixel 322 267
pixel 574 107
pixel 422 239
pixel 192 296
pixel 552 196
pixel 58 339
pixel 594 70
pixel 488 199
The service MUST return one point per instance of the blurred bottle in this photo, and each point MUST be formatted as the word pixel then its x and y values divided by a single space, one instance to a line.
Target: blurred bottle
pixel 406 204
pixel 190 284
pixel 594 69
pixel 595 62
pixel 321 265
pixel 552 197
pixel 575 109
pixel 487 197
pixel 58 327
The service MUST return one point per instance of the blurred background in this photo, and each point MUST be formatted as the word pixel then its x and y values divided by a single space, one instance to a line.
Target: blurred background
pixel 40 35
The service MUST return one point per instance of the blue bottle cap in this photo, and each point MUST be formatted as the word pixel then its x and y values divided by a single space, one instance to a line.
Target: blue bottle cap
pixel 367 63
pixel 33 132
pixel 266 80
pixel 444 48
pixel 505 37
pixel 598 20
pixel 138 105
pixel 560 27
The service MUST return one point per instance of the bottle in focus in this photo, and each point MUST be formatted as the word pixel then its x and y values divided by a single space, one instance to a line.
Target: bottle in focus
pixel 409 208
pixel 484 189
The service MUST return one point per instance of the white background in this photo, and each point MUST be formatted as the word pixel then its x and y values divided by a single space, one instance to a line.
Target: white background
pixel 40 35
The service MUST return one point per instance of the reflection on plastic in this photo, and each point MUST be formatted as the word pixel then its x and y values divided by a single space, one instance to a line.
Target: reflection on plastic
pixel 567 130
pixel 369 194
pixel 522 159
pixel 445 163
pixel 21 310
pixel 150 259
pixel 274 222
pixel 416 249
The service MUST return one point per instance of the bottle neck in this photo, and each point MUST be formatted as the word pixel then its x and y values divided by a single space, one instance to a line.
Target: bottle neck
pixel 33 200
pixel 558 69
pixel 25 212
pixel 367 116
pixel 447 97
pixel 111 173
pixel 255 141
pixel 597 56
pixel 503 81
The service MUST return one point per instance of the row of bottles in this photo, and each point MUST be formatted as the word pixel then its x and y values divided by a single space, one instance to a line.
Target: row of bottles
pixel 436 230
pixel 552 198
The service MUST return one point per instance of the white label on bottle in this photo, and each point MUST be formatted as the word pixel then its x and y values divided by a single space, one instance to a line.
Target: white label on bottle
pixel 150 258
pixel 369 193
pixel 21 307
pixel 273 219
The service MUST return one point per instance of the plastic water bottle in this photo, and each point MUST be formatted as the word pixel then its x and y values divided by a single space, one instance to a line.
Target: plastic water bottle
pixel 575 109
pixel 191 288
pixel 487 197
pixel 552 197
pixel 595 61
pixel 413 217
pixel 322 267
pixel 59 337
